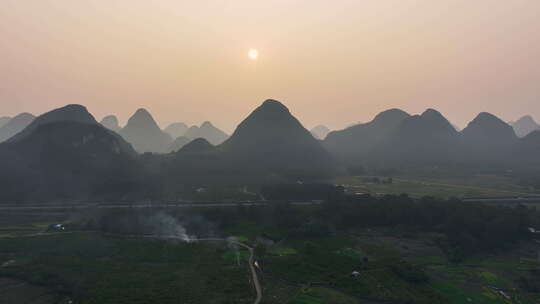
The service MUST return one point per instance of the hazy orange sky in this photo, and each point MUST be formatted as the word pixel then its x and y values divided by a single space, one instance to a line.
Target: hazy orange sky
pixel 330 62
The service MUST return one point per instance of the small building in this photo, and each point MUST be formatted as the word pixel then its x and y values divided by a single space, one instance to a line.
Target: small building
pixel 201 190
pixel 56 228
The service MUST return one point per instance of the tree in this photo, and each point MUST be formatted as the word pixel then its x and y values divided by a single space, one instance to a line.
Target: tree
pixel 259 251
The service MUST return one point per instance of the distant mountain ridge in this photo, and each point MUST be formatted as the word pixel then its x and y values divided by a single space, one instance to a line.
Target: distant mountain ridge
pixel 428 138
pixel 396 139
pixel 176 129
pixel 525 125
pixel 272 140
pixel 63 153
pixel 111 122
pixel 4 120
pixel 358 141
pixel 178 143
pixel 207 131
pixel 320 132
pixel 15 125
pixel 72 112
pixel 144 134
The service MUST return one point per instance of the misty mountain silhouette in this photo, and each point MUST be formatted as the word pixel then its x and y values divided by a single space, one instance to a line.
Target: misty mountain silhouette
pixel 66 154
pixel 528 151
pixel 272 140
pixel 320 132
pixel 488 139
pixel 111 122
pixel 144 134
pixel 426 139
pixel 4 120
pixel 525 125
pixel 178 143
pixel 15 125
pixel 207 131
pixel 198 146
pixel 64 159
pixel 356 142
pixel 176 129
pixel 72 112
pixel 490 128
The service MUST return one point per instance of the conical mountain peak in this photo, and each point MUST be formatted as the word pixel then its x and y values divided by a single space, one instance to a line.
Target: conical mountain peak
pixel 207 131
pixel 272 139
pixel 110 122
pixel 320 132
pixel 4 120
pixel 527 119
pixel 71 112
pixel 485 116
pixel 431 123
pixel 144 134
pixel 15 125
pixel 24 116
pixel 488 125
pixel 199 145
pixel 176 129
pixel 391 115
pixel 75 108
pixel 207 124
pixel 142 117
pixel 525 125
pixel 271 105
pixel 431 113
pixel 110 119
pixel 488 139
pixel 142 112
pixel 356 142
pixel 435 118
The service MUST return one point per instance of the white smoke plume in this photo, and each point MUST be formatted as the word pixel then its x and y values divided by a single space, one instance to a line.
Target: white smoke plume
pixel 167 227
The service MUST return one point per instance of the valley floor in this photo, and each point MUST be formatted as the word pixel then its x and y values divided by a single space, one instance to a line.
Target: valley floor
pixel 368 266
pixel 471 187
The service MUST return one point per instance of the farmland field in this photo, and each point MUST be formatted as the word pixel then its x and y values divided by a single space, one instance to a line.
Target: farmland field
pixel 365 266
pixel 427 187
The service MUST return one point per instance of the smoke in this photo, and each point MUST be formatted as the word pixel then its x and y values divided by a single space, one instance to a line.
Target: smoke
pixel 232 243
pixel 167 227
pixel 170 225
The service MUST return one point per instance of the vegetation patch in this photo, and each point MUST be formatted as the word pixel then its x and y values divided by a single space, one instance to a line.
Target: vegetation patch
pixel 283 251
pixel 319 295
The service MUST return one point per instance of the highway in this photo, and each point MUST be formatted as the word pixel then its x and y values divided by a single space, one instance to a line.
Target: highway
pixel 65 207
pixel 85 206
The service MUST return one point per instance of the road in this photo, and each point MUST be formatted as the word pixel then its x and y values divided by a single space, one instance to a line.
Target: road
pixel 256 282
pixel 530 199
pixel 83 206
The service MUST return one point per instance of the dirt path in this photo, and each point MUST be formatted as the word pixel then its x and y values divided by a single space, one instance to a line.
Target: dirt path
pixel 254 276
pixel 256 282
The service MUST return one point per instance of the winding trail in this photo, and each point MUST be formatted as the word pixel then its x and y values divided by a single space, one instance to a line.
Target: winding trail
pixel 254 276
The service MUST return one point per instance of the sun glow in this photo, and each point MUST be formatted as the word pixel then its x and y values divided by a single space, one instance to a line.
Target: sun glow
pixel 253 54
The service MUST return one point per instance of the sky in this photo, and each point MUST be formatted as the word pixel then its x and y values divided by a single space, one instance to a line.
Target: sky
pixel 331 62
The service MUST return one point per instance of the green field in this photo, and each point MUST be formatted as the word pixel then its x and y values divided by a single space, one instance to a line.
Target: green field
pixel 88 267
pixel 420 188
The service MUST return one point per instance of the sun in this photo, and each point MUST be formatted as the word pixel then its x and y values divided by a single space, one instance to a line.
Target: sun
pixel 253 54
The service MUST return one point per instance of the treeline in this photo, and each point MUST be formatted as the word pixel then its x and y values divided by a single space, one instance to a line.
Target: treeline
pixel 465 228
pixel 460 229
